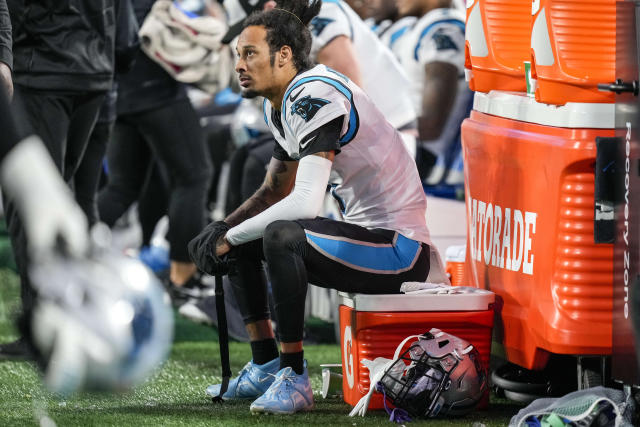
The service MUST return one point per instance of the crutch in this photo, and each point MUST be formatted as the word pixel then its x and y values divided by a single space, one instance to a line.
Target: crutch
pixel 223 337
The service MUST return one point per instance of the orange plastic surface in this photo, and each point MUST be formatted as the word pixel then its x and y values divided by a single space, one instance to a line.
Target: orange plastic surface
pixel 367 335
pixel 456 272
pixel 583 41
pixel 558 300
pixel 507 30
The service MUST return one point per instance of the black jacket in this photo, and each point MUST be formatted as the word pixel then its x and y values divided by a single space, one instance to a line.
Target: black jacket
pixel 5 35
pixel 147 86
pixel 126 51
pixel 63 44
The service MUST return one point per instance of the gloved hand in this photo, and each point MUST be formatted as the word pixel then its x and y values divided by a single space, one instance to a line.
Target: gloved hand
pixel 45 203
pixel 202 249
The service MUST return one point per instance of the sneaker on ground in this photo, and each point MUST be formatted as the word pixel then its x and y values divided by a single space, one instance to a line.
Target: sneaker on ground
pixel 191 310
pixel 289 393
pixel 252 381
pixel 193 288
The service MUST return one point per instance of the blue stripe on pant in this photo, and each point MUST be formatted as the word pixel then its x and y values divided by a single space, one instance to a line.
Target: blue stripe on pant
pixel 380 258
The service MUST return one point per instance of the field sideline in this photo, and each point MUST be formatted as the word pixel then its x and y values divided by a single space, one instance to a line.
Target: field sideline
pixel 175 395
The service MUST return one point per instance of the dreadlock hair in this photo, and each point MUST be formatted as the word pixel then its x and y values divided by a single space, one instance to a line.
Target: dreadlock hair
pixel 287 24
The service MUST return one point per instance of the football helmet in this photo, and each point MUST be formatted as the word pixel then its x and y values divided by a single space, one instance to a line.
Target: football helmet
pixel 98 323
pixel 440 374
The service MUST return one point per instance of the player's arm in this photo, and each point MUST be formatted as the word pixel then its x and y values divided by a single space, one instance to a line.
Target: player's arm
pixel 277 184
pixel 340 55
pixel 304 202
pixel 310 185
pixel 438 96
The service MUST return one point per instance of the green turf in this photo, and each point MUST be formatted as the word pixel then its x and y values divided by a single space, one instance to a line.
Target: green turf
pixel 175 395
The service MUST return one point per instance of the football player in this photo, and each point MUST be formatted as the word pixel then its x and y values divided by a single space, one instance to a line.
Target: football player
pixel 432 54
pixel 324 125
pixel 387 25
pixel 343 42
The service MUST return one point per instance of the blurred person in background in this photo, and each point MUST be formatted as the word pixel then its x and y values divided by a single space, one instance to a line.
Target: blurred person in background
pixel 90 170
pixel 30 179
pixel 343 42
pixel 387 25
pixel 63 54
pixel 361 7
pixel 157 121
pixel 432 54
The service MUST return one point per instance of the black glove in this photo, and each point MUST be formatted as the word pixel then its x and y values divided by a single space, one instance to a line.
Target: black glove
pixel 202 249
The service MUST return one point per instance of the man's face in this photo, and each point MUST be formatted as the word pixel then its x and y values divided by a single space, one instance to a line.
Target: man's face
pixel 380 10
pixel 360 7
pixel 254 67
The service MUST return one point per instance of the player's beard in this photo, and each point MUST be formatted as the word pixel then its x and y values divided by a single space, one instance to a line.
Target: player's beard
pixel 249 93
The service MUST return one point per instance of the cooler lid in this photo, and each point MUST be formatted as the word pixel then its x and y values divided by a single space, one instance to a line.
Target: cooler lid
pixel 456 253
pixel 519 106
pixel 458 298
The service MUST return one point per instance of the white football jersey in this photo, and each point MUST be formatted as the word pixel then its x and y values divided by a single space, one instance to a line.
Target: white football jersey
pixel 374 178
pixel 382 76
pixel 437 36
pixel 394 34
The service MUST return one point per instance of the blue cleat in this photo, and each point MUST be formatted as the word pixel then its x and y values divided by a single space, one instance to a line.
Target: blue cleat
pixel 289 393
pixel 252 381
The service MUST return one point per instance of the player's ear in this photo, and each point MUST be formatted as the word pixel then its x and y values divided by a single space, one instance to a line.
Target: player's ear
pixel 286 55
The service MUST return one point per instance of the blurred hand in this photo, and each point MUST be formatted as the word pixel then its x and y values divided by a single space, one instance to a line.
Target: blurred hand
pixel 6 82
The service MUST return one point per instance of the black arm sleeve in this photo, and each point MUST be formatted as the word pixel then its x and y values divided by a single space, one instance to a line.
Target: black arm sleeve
pixel 325 138
pixel 6 40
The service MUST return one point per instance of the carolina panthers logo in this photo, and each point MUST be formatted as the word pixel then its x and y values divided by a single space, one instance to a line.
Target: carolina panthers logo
pixel 319 24
pixel 443 41
pixel 307 107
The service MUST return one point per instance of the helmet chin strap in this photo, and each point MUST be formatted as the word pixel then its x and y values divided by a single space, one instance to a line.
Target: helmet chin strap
pixel 377 369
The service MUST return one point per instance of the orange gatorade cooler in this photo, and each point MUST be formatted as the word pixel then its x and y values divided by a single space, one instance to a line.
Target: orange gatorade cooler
pixel 373 325
pixel 573 46
pixel 455 257
pixel 498 42
pixel 529 185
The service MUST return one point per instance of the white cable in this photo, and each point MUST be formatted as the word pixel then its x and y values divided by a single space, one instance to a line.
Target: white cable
pixel 304 202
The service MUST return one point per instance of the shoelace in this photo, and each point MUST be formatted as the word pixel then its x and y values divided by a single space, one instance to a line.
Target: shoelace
pixel 247 368
pixel 285 378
